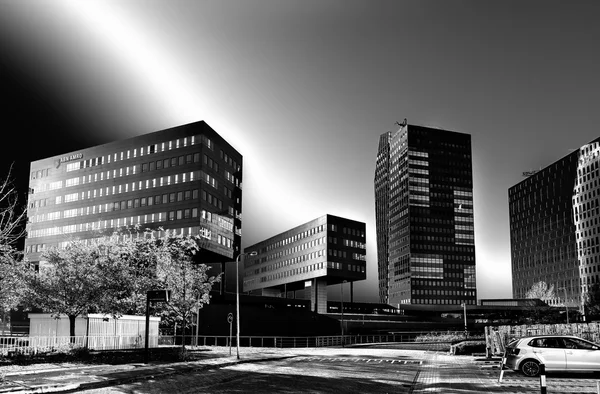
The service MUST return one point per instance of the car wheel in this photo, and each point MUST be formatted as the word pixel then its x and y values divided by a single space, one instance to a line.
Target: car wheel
pixel 530 368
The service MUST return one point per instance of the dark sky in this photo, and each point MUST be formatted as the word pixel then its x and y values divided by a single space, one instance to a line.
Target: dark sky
pixel 303 89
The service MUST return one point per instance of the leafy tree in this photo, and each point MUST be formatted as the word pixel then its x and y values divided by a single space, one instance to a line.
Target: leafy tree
pixel 75 281
pixel 186 278
pixel 541 291
pixel 112 275
pixel 539 313
pixel 11 278
pixel 592 301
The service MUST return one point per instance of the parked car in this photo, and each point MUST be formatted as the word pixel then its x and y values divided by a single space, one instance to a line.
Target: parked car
pixel 557 353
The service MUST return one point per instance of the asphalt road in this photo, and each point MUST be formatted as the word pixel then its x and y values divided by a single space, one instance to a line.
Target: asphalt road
pixel 357 370
pixel 304 374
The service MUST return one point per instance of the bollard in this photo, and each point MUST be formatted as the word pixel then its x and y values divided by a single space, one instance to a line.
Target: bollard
pixel 502 367
pixel 543 378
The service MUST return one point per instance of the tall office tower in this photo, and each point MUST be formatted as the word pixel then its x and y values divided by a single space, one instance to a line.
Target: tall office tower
pixel 554 230
pixel 187 179
pixel 325 251
pixel 424 217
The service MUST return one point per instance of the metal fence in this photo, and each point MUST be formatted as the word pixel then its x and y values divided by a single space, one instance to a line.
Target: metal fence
pixel 31 345
pixel 288 342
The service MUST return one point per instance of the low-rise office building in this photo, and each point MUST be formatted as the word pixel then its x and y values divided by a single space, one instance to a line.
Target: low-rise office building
pixel 186 179
pixel 325 251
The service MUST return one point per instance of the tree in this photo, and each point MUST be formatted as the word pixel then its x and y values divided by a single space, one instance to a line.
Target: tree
pixel 12 217
pixel 12 214
pixel 11 278
pixel 186 278
pixel 542 291
pixel 73 281
pixel 541 313
pixel 592 301
pixel 111 275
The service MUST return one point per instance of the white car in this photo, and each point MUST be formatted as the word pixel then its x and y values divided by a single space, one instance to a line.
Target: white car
pixel 556 352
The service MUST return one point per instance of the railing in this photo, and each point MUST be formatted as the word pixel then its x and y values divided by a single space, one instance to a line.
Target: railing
pixel 286 342
pixel 29 345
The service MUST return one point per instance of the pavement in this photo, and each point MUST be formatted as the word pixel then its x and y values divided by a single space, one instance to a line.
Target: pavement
pixel 440 372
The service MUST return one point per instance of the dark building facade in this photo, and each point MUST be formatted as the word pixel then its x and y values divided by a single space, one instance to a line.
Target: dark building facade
pixel 424 217
pixel 325 251
pixel 186 179
pixel 554 231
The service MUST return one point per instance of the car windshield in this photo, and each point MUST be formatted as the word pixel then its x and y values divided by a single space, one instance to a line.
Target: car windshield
pixel 576 343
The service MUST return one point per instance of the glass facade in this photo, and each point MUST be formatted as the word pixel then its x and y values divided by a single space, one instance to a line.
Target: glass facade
pixel 554 228
pixel 424 217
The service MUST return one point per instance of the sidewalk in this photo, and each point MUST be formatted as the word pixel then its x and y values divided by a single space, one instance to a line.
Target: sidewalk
pixel 440 372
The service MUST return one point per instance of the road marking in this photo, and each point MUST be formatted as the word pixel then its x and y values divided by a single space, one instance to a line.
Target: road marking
pixel 360 360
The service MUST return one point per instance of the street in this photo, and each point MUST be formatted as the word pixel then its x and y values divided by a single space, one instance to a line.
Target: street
pixel 306 374
pixel 352 370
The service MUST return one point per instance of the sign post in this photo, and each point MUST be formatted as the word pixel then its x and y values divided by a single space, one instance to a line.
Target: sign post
pixel 230 320
pixel 153 296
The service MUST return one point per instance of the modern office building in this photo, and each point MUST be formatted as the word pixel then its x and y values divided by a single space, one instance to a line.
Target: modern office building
pixel 554 230
pixel 326 251
pixel 424 217
pixel 186 179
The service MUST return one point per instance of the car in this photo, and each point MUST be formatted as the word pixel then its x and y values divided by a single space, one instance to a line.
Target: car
pixel 565 353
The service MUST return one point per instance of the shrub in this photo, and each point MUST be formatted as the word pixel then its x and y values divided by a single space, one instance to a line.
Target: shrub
pixel 469 347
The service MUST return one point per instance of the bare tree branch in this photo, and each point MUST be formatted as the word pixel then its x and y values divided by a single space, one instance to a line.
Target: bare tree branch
pixel 12 213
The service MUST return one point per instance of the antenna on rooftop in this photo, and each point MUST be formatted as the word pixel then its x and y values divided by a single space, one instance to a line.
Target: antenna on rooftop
pixel 402 124
pixel 531 172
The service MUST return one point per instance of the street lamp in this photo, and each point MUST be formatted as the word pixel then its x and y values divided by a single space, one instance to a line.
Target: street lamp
pixel 342 290
pixel 237 303
pixel 464 305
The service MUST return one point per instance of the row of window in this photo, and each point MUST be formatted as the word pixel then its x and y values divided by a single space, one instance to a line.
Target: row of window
pixel 294 238
pixel 38 248
pixel 126 187
pixel 292 272
pixel 436 301
pixel 135 186
pixel 467 293
pixel 132 170
pixel 118 205
pixel 292 261
pixel 116 222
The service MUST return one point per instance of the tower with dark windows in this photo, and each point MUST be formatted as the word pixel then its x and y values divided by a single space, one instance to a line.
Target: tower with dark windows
pixel 554 230
pixel 186 179
pixel 424 217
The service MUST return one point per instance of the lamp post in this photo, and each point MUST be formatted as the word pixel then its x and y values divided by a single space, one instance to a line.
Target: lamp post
pixel 342 309
pixel 464 305
pixel 237 300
